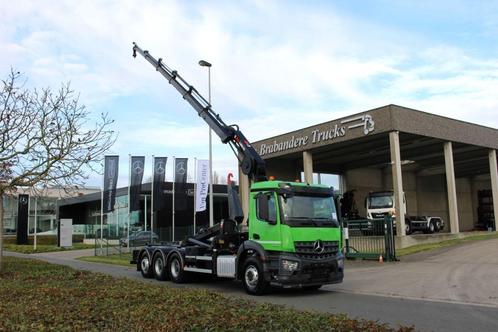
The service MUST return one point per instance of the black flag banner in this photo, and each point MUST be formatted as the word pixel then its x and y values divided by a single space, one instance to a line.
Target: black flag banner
pixel 159 178
pixel 22 219
pixel 111 169
pixel 136 175
pixel 180 181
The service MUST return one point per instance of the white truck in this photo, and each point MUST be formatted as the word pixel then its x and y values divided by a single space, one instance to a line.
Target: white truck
pixel 378 204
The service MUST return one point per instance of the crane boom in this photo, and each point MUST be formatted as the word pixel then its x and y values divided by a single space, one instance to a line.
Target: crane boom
pixel 249 160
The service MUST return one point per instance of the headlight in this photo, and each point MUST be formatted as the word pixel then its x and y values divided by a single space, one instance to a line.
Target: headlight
pixel 340 263
pixel 290 266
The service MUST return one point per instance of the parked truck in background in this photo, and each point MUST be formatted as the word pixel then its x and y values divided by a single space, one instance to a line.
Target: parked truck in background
pixel 293 237
pixel 378 204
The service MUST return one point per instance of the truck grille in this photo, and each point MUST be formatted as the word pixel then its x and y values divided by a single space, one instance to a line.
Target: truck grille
pixel 306 249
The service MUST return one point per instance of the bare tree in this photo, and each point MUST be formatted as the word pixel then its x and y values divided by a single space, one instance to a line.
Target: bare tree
pixel 46 139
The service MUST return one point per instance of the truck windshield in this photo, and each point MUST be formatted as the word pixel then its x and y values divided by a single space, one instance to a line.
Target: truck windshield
pixel 309 210
pixel 379 202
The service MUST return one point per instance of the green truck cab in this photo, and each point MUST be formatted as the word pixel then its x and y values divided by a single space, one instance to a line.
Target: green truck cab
pixel 296 231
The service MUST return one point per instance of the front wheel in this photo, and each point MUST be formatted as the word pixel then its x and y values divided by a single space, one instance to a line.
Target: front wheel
pixel 254 279
pixel 408 228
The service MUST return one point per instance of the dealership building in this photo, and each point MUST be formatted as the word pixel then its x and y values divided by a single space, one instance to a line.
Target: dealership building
pixel 444 167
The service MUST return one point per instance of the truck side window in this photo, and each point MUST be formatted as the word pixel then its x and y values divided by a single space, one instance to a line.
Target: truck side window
pixel 266 208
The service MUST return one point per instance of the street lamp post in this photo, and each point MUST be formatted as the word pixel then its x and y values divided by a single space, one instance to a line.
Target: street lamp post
pixel 203 63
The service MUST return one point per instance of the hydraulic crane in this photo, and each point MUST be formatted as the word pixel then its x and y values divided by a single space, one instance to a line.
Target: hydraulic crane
pixel 250 161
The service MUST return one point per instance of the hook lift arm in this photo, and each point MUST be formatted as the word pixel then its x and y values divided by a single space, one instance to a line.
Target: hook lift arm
pixel 250 161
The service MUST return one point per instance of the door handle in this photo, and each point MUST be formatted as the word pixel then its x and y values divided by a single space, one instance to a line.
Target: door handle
pixel 255 236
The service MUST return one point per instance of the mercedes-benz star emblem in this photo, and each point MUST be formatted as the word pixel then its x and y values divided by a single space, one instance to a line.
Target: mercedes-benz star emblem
pixel 160 168
pixel 23 200
pixel 318 246
pixel 137 167
pixel 180 168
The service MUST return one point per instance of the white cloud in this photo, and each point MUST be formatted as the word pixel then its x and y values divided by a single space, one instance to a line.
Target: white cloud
pixel 276 66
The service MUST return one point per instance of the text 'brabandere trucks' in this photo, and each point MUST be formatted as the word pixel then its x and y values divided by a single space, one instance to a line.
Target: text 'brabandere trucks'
pixel 293 237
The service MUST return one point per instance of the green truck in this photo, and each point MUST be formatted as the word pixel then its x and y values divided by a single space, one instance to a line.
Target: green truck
pixel 292 237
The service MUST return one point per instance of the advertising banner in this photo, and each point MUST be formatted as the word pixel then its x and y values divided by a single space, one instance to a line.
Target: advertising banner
pixel 22 219
pixel 159 178
pixel 180 181
pixel 136 175
pixel 111 168
pixel 202 182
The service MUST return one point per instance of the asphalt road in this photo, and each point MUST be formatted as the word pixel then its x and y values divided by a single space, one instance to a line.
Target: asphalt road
pixel 453 289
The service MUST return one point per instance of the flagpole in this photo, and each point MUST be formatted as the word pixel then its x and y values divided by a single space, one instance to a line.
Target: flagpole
pixel 152 198
pixel 36 222
pixel 195 190
pixel 173 199
pixel 129 200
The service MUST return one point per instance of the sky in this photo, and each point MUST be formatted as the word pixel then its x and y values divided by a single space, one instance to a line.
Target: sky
pixel 277 66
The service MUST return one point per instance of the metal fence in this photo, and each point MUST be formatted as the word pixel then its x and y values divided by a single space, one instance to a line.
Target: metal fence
pixel 369 238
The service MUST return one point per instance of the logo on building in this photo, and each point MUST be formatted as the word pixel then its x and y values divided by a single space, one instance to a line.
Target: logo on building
pixel 341 129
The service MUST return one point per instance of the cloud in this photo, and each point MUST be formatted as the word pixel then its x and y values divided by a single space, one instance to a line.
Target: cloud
pixel 277 66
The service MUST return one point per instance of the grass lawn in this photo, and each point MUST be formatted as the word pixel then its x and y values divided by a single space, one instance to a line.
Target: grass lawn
pixel 38 296
pixel 442 244
pixel 117 259
pixel 28 248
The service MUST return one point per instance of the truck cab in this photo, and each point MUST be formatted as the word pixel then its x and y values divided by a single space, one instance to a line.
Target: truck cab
pixel 295 226
pixel 379 204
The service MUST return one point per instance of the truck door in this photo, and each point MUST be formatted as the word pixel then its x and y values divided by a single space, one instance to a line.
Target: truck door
pixel 264 228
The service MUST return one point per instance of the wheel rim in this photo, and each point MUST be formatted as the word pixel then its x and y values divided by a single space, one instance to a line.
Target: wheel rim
pixel 251 276
pixel 145 264
pixel 175 268
pixel 431 227
pixel 159 265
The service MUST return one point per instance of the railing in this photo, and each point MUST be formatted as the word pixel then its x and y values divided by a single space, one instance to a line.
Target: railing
pixel 370 238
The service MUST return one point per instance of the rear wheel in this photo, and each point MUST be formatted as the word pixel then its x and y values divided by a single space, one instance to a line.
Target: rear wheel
pixel 175 267
pixel 438 225
pixel 254 280
pixel 160 271
pixel 431 227
pixel 145 266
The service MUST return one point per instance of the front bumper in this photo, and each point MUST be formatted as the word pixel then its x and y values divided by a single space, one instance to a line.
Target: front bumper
pixel 310 272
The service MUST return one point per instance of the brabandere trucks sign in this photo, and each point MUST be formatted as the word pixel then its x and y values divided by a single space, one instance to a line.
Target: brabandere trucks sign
pixel 364 122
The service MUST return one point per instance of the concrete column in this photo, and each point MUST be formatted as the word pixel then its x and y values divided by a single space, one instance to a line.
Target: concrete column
pixel 493 170
pixel 397 181
pixel 343 186
pixel 244 189
pixel 308 166
pixel 450 183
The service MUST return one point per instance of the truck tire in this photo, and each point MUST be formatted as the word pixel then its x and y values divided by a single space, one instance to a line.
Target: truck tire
pixel 408 228
pixel 438 225
pixel 175 268
pixel 145 265
pixel 432 227
pixel 253 278
pixel 160 268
